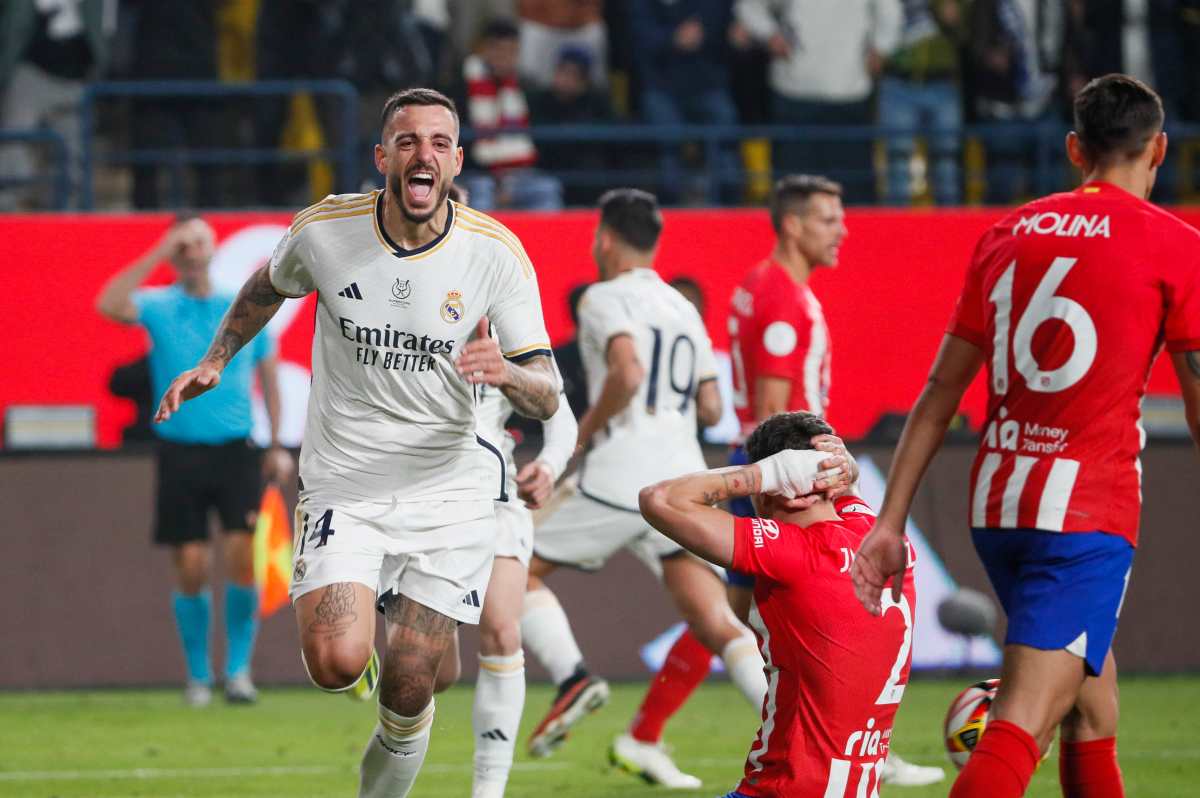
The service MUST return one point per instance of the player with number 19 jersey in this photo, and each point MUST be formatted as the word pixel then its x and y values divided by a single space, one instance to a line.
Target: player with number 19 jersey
pixel 654 437
pixel 1070 298
pixel 835 674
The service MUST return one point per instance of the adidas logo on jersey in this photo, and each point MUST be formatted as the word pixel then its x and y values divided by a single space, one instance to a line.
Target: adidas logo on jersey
pixel 495 734
pixel 351 292
pixel 471 599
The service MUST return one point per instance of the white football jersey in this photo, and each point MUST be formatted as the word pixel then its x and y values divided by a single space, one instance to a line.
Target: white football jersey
pixel 389 417
pixel 654 437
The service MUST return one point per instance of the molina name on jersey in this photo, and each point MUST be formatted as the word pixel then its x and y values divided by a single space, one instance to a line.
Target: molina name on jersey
pixel 389 417
pixel 1070 298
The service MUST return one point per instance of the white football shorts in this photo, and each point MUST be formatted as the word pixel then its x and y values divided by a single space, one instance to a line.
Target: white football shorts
pixel 583 532
pixel 437 553
pixel 514 527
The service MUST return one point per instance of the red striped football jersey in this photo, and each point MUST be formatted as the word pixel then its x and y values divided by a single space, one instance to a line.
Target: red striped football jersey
pixel 777 329
pixel 835 673
pixel 1070 298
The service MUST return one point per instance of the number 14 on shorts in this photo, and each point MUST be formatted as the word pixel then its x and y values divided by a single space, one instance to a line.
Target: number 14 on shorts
pixel 322 530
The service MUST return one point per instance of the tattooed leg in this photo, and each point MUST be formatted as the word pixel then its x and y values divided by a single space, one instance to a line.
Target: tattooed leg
pixel 337 632
pixel 417 637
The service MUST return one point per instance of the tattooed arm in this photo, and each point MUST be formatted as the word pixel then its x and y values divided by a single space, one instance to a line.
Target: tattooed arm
pixel 256 303
pixel 532 386
pixel 682 508
pixel 1187 368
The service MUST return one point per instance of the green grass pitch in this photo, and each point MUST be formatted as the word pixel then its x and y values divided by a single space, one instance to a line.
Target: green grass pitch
pixel 300 742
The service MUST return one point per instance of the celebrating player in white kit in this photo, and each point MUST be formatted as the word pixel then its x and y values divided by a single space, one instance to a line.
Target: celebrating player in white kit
pixel 397 488
pixel 651 373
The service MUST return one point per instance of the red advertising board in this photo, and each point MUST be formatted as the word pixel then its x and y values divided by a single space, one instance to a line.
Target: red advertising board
pixel 887 303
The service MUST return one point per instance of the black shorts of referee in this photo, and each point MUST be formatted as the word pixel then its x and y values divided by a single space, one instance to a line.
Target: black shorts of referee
pixel 194 478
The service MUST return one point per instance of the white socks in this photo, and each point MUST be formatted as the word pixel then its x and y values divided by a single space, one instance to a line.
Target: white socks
pixel 395 753
pixel 496 720
pixel 744 664
pixel 546 633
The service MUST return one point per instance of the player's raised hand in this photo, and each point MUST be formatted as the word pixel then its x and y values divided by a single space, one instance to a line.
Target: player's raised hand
pixel 839 485
pixel 793 472
pixel 535 482
pixel 481 360
pixel 187 385
pixel 883 555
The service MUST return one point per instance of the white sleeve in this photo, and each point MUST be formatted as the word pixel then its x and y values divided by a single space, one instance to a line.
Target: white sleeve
pixel 288 272
pixel 888 26
pixel 559 435
pixel 601 317
pixel 516 310
pixel 757 18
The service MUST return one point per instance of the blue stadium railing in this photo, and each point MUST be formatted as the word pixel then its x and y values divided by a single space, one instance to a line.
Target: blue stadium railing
pixel 632 153
pixel 344 155
pixel 59 166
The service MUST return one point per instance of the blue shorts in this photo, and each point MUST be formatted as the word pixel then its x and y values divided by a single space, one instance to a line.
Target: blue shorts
pixel 1059 591
pixel 742 508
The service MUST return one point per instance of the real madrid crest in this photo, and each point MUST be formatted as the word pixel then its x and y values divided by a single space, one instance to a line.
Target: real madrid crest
pixel 300 570
pixel 452 307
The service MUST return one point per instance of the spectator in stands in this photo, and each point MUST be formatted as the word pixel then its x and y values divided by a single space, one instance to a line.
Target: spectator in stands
pixel 1186 28
pixel 919 93
pixel 290 44
pixel 548 26
pixel 432 18
pixel 177 40
pixel 497 110
pixel 1013 57
pixel 681 53
pixel 572 99
pixel 48 52
pixel 826 55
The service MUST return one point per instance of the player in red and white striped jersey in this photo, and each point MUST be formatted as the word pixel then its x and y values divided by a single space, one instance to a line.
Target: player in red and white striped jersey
pixel 1067 301
pixel 835 675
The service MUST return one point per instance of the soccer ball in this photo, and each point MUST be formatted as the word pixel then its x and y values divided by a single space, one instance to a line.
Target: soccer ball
pixel 967 718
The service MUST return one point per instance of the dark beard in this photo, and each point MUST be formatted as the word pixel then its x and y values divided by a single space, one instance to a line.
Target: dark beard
pixel 396 186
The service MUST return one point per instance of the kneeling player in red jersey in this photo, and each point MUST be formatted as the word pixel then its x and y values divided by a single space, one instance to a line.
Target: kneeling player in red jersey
pixel 1068 301
pixel 835 675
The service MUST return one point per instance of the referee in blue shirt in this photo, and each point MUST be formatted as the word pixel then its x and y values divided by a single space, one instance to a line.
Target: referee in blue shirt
pixel 206 460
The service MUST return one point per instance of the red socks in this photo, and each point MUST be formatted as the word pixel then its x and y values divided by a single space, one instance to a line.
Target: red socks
pixel 1090 770
pixel 1001 764
pixel 687 663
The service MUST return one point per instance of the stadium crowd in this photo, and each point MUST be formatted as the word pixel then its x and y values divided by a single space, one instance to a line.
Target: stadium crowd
pixel 958 83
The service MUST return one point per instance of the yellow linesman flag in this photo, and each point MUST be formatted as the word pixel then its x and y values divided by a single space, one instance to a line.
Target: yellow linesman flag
pixel 272 552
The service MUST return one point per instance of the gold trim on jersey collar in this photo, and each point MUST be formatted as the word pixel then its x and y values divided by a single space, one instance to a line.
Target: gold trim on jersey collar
pixel 403 254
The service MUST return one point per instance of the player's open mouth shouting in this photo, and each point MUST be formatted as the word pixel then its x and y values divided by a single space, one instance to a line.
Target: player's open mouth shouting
pixel 419 185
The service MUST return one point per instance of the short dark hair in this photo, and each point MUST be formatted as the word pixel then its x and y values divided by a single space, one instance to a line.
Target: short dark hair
pixel 1116 116
pixel 501 28
pixel 407 97
pixel 633 215
pixel 785 431
pixel 790 194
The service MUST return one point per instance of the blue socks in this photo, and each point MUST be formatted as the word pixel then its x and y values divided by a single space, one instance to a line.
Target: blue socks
pixel 241 624
pixel 192 618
